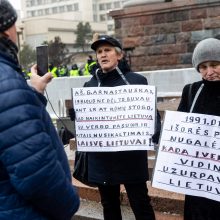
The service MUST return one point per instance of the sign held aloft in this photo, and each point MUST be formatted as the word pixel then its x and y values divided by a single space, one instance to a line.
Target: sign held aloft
pixel 114 118
pixel 192 144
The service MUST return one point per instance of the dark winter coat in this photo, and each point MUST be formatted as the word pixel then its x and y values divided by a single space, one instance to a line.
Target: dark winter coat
pixel 118 167
pixel 35 180
pixel 208 102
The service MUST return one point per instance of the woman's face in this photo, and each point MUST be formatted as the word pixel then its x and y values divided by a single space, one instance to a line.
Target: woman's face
pixel 107 57
pixel 210 70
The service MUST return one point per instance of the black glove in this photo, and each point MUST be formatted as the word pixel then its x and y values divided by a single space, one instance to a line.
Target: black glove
pixel 72 114
pixel 155 137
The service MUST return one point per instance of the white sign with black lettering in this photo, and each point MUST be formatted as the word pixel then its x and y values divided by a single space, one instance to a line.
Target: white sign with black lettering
pixel 188 159
pixel 118 118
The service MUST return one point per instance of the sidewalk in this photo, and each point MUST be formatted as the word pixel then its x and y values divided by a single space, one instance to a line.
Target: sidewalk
pixel 167 205
pixel 90 210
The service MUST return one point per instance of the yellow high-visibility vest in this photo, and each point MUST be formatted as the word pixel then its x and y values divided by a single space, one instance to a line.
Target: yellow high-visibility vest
pixel 87 68
pixel 74 72
pixel 54 72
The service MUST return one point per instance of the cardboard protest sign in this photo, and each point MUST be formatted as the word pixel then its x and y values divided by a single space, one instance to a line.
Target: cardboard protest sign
pixel 188 159
pixel 118 118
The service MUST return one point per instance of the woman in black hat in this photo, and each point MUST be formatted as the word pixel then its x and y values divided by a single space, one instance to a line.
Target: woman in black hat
pixel 110 169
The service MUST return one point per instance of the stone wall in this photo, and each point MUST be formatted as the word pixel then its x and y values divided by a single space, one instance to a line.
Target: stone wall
pixel 163 35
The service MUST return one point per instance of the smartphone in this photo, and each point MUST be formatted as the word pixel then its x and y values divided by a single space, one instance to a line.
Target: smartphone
pixel 42 59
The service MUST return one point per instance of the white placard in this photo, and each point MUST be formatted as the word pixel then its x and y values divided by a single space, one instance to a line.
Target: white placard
pixel 118 118
pixel 188 159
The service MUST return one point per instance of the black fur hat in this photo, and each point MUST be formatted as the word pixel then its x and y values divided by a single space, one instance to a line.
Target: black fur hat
pixel 8 15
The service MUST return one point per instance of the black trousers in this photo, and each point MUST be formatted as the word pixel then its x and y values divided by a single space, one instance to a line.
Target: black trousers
pixel 138 198
pixel 199 208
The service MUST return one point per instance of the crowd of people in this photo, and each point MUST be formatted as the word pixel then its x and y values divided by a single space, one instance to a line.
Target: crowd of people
pixel 65 71
pixel 35 179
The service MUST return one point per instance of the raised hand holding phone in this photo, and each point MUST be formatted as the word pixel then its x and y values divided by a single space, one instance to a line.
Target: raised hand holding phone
pixel 42 59
pixel 39 82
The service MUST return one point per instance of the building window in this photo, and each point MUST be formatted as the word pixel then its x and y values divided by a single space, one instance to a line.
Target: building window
pixel 109 18
pixel 47 11
pixel 32 3
pixel 76 7
pixel 108 6
pixel 40 12
pixel 54 10
pixel 33 13
pixel 69 7
pixel 39 2
pixel 29 14
pixel 28 3
pixel 117 5
pixel 110 27
pixel 95 19
pixel 61 9
pixel 94 7
pixel 102 17
pixel 102 7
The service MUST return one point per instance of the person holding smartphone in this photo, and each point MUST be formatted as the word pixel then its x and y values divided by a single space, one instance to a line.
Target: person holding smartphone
pixel 35 179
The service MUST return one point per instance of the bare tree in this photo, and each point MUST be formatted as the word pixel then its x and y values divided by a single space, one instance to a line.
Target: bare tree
pixel 84 34
pixel 57 51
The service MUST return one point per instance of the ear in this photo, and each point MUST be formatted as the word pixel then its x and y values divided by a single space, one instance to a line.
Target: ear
pixel 6 33
pixel 120 56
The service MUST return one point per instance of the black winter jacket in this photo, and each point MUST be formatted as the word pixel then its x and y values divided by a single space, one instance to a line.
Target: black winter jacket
pixel 35 180
pixel 208 101
pixel 118 167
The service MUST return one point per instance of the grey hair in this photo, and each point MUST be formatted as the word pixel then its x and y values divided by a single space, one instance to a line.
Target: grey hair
pixel 118 50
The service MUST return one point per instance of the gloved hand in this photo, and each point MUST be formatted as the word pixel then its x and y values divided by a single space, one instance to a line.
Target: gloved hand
pixel 72 114
pixel 155 137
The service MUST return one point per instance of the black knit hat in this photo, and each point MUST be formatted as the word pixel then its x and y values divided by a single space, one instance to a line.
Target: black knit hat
pixel 8 15
pixel 105 39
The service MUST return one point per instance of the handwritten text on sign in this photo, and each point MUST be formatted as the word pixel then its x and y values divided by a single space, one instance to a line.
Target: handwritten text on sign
pixel 114 118
pixel 188 159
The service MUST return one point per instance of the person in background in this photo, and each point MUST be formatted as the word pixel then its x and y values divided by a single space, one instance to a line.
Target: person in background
pixel 89 66
pixel 63 71
pixel 75 71
pixel 54 70
pixel 25 73
pixel 35 179
pixel 108 170
pixel 205 95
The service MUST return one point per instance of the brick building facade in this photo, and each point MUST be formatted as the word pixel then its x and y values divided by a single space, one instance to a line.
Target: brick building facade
pixel 163 35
